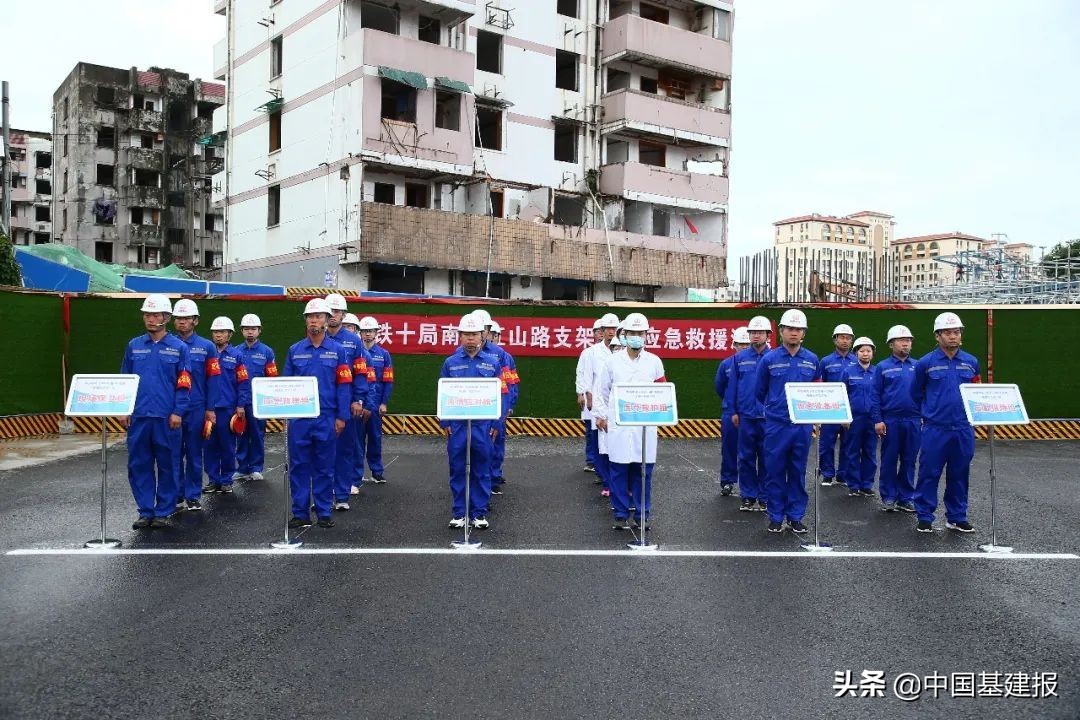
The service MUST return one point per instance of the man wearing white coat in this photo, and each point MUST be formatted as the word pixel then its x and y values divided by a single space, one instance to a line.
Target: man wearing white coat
pixel 634 365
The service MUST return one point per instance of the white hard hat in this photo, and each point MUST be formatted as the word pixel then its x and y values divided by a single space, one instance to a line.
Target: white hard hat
pixel 222 323
pixel 759 322
pixel 793 319
pixel 635 322
pixel 350 319
pixel 496 328
pixel 899 331
pixel 616 341
pixel 470 323
pixel 596 324
pixel 483 316
pixel 859 342
pixel 156 303
pixel 843 329
pixel 741 336
pixel 948 321
pixel 609 320
pixel 369 323
pixel 250 320
pixel 185 308
pixel 316 305
pixel 335 301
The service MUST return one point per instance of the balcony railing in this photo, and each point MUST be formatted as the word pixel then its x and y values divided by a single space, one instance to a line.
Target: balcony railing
pixel 652 114
pixel 635 39
pixel 648 183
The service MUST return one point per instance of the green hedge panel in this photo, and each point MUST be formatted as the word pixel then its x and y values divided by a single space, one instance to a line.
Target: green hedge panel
pixel 31 379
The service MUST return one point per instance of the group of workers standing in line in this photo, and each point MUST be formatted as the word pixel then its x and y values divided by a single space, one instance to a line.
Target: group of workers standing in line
pixel 193 409
pixel 913 407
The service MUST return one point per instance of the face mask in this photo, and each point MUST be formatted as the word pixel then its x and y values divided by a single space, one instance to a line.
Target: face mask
pixel 634 342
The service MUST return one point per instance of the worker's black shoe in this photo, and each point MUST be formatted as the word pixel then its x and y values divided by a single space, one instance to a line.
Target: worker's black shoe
pixel 211 489
pixel 776 527
pixel 326 522
pixel 297 523
pixel 225 488
pixel 725 489
pixel 905 507
pixel 963 526
pixel 141 524
pixel 797 527
pixel 747 505
pixel 620 524
pixel 160 522
pixel 925 526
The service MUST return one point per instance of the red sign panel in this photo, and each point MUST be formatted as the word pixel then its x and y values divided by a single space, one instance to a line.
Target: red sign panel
pixel 557 337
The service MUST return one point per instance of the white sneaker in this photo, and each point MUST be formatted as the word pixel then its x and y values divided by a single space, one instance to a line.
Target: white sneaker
pixel 480 523
pixel 239 476
pixel 257 476
pixel 341 506
pixel 354 490
pixel 457 523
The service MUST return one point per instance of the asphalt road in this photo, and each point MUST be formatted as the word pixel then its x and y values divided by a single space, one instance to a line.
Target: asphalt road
pixel 350 633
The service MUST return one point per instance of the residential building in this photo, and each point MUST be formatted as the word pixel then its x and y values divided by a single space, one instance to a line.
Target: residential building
pixel 134 164
pixel 918 266
pixel 565 149
pixel 30 155
pixel 847 252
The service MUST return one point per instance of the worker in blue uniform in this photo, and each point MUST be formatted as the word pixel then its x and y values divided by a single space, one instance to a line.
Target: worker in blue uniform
pixel 381 378
pixel 259 359
pixel 862 440
pixel 229 402
pixel 724 384
pixel 347 451
pixel 787 445
pixel 205 371
pixel 948 440
pixel 898 424
pixel 749 418
pixel 154 427
pixel 312 441
pixel 509 376
pixel 831 369
pixel 471 361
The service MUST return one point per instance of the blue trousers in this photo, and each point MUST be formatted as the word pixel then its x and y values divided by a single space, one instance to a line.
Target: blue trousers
pixel 189 461
pixel 729 451
pixel 627 478
pixel 479 469
pixel 787 448
pixel 827 463
pixel 251 447
pixel 752 458
pixel 592 447
pixel 220 452
pixel 311 465
pixel 345 461
pixel 370 434
pixel 951 450
pixel 603 469
pixel 498 453
pixel 901 443
pixel 153 445
pixel 862 445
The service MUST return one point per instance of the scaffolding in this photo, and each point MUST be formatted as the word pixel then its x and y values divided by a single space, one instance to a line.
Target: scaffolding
pixel 996 278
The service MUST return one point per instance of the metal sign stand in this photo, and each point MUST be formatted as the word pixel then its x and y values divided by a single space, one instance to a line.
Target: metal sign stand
pixel 105 543
pixel 817 546
pixel 642 545
pixel 288 543
pixel 467 544
pixel 993 547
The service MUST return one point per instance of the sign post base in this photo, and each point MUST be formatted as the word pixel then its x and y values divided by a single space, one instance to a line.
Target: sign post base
pixel 996 549
pixel 286 545
pixel 816 547
pixel 102 544
pixel 466 545
pixel 643 546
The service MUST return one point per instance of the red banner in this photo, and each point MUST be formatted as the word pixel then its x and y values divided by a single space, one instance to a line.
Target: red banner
pixel 557 337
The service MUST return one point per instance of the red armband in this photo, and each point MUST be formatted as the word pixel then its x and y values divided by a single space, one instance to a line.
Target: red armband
pixel 662 378
pixel 344 374
pixel 242 374
pixel 359 366
pixel 271 369
pixel 183 380
pixel 213 367
pixel 371 376
pixel 388 374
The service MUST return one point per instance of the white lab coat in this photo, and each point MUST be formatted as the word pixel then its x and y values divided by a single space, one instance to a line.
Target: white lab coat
pixel 624 443
pixel 604 361
pixel 589 363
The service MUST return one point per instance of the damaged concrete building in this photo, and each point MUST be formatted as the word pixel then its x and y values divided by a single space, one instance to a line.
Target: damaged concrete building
pixel 567 149
pixel 30 155
pixel 134 165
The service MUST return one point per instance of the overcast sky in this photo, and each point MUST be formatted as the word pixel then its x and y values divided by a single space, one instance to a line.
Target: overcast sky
pixel 949 114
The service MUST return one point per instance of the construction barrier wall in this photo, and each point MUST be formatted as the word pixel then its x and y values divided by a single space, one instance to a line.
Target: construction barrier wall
pixel 46 334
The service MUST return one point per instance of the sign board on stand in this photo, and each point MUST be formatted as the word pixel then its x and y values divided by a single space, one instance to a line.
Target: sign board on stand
pixel 469 399
pixel 817 403
pixel 285 398
pixel 644 404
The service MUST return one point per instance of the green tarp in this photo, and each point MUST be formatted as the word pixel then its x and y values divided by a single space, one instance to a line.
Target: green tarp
pixel 104 277
pixel 456 85
pixel 413 79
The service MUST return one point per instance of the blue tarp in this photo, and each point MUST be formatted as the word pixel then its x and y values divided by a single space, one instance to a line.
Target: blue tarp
pixel 41 274
pixel 144 284
pixel 235 288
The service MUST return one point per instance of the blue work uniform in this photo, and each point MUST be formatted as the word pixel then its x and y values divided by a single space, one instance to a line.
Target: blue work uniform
pixel 312 441
pixel 751 425
pixel 348 442
pixel 233 390
pixel 370 431
pixel 164 389
pixel 948 440
pixel 786 445
pixel 729 434
pixel 862 443
pixel 259 360
pixel 509 376
pixel 202 355
pixel 482 365
pixel 831 369
pixel 894 382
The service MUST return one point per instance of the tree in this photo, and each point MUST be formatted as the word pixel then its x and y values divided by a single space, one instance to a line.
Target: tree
pixel 1063 260
pixel 9 269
